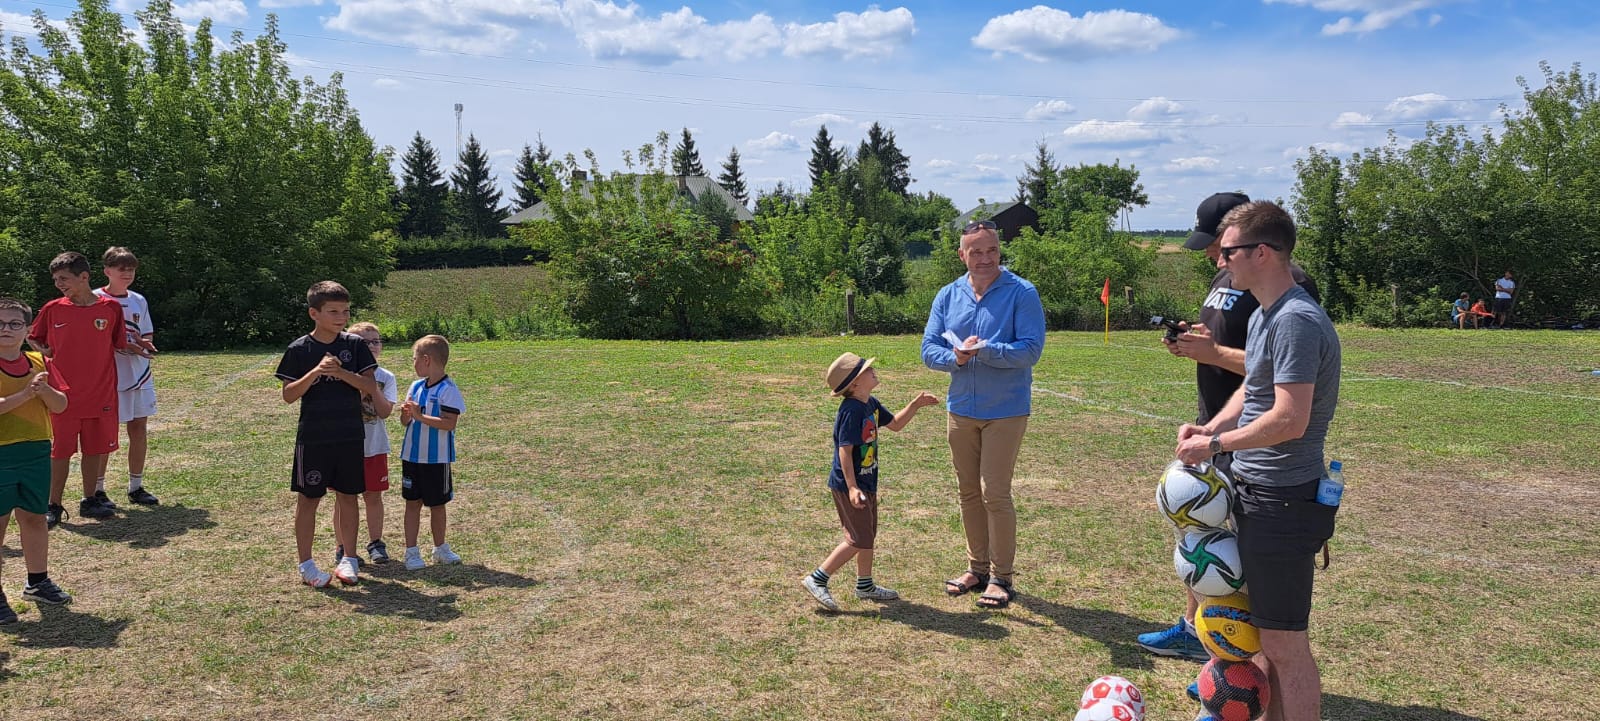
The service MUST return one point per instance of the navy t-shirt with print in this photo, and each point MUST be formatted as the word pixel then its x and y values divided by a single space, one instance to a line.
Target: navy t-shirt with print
pixel 857 426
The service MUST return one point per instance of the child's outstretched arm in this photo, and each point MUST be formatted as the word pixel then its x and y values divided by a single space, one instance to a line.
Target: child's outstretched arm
pixel 847 464
pixel 904 417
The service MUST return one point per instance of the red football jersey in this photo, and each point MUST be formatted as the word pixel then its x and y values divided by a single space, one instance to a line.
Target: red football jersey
pixel 83 340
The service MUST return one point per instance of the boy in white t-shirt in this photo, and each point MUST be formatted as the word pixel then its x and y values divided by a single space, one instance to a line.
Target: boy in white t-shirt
pixel 136 390
pixel 375 448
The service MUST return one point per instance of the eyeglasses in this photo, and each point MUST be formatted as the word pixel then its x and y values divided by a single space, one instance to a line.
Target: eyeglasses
pixel 13 325
pixel 375 341
pixel 1227 250
pixel 978 225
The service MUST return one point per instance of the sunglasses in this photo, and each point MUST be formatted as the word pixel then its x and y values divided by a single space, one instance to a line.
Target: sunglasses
pixel 1228 250
pixel 978 225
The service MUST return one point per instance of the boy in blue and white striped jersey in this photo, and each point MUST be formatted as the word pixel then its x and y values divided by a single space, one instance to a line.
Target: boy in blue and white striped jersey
pixel 432 407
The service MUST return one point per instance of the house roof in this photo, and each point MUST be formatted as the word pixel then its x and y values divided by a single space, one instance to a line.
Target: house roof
pixel 985 211
pixel 697 186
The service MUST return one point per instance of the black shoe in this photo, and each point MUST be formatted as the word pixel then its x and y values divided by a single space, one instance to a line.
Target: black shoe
pixel 91 508
pixel 378 552
pixel 8 615
pixel 143 497
pixel 54 515
pixel 104 500
pixel 46 591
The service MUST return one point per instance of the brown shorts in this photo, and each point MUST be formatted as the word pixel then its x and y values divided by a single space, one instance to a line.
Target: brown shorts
pixel 860 524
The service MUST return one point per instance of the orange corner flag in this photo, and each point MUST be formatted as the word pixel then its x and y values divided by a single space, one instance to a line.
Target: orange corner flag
pixel 1105 294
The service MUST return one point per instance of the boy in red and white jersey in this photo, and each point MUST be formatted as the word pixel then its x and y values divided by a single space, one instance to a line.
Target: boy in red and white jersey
pixel 136 390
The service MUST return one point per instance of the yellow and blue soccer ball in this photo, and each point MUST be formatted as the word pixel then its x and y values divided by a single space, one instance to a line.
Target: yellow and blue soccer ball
pixel 1223 625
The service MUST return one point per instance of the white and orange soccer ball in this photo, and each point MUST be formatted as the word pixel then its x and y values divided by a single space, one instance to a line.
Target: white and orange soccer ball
pixel 1107 710
pixel 1114 689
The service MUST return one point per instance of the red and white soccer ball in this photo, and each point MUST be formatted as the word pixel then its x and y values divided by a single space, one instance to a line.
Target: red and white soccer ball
pixel 1107 710
pixel 1115 689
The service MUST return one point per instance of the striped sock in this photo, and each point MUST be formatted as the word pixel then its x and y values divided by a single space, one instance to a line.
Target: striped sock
pixel 135 481
pixel 865 583
pixel 820 576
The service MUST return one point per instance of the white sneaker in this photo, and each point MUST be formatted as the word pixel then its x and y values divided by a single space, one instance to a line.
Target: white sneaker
pixel 820 592
pixel 347 570
pixel 878 593
pixel 414 559
pixel 443 554
pixel 313 576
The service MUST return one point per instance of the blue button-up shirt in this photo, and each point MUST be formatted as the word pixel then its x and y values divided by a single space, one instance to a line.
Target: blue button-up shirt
pixel 998 382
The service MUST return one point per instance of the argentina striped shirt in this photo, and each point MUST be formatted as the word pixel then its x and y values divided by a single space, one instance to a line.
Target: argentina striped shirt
pixel 424 443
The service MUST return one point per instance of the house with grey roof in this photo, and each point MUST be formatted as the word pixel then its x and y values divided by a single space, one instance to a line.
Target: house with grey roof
pixel 1010 218
pixel 693 187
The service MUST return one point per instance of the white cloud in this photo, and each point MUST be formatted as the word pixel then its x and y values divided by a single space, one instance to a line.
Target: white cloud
pixel 388 84
pixel 1192 166
pixel 985 158
pixel 773 141
pixel 873 33
pixel 833 119
pixel 222 11
pixel 1329 147
pixel 607 30
pixel 1375 14
pixel 1049 110
pixel 288 3
pixel 940 163
pixel 456 25
pixel 1115 133
pixel 1155 108
pixel 1350 119
pixel 1043 33
pixel 1425 106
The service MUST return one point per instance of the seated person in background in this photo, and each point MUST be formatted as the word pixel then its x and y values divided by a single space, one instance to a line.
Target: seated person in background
pixel 1459 311
pixel 1478 311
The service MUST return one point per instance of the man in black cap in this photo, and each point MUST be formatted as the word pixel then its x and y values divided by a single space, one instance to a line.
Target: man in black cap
pixel 1216 344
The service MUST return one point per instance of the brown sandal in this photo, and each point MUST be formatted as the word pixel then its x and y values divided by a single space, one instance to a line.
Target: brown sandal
pixel 954 586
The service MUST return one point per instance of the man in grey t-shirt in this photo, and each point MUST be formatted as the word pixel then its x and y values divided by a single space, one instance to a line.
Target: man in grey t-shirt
pixel 1276 424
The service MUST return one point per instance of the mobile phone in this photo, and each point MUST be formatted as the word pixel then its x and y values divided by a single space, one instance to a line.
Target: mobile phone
pixel 1173 329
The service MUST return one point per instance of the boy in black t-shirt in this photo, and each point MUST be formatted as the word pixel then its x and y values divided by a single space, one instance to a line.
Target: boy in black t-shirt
pixel 328 371
pixel 854 480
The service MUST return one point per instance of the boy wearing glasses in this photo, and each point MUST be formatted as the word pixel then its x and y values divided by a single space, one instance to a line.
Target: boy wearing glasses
pixel 81 333
pixel 375 448
pixel 30 392
pixel 136 391
pixel 328 371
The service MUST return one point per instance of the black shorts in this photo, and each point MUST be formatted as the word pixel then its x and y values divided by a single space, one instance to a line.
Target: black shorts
pixel 1280 530
pixel 320 466
pixel 1502 305
pixel 431 483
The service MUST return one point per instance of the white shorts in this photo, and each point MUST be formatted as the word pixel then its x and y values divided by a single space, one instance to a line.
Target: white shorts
pixel 134 404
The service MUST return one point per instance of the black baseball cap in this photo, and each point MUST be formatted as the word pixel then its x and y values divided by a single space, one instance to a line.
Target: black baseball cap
pixel 1209 215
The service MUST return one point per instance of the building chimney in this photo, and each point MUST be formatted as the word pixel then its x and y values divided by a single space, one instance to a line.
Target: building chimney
pixel 683 184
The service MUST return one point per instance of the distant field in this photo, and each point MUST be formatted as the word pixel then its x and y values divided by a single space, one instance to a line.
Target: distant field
pixel 635 518
pixel 495 292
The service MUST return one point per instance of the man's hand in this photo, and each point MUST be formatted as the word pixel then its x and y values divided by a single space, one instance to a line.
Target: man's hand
pixel 1194 449
pixel 1197 344
pixel 966 352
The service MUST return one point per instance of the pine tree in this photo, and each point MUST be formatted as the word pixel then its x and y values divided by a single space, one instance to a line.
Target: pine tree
pixel 893 163
pixel 530 174
pixel 685 158
pixel 476 201
pixel 732 178
pixel 1033 187
pixel 423 191
pixel 825 159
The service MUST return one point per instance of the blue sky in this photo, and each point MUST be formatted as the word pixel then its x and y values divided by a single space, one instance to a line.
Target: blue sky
pixel 1200 97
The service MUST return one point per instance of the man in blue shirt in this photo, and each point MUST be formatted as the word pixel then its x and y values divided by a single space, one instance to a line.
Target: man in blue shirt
pixel 998 323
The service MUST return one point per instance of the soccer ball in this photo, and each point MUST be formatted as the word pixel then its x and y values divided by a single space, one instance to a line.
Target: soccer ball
pixel 1223 625
pixel 1115 688
pixel 1233 690
pixel 1194 497
pixel 1209 562
pixel 1107 710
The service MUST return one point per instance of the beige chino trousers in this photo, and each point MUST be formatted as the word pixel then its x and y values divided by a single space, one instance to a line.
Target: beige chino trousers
pixel 984 454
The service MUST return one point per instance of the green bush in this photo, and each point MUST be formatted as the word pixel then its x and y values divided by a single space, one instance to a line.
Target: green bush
pixel 463 252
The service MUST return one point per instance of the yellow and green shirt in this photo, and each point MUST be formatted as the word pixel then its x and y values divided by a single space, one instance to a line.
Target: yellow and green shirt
pixel 29 421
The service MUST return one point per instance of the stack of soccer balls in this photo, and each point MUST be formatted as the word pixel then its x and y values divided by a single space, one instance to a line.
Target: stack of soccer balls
pixel 1198 500
pixel 1111 698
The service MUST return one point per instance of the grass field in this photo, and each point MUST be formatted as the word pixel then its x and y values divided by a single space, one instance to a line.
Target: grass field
pixel 635 518
pixel 491 291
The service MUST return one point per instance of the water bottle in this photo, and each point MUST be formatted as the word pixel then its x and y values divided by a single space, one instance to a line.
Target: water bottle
pixel 1331 488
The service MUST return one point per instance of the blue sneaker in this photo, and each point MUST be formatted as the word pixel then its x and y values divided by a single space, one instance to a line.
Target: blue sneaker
pixel 1193 691
pixel 1175 641
pixel 1205 716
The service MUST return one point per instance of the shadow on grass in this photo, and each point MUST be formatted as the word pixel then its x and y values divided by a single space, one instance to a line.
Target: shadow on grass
pixel 391 598
pixel 1345 708
pixel 966 624
pixel 474 576
pixel 1115 631
pixel 143 527
pixel 61 627
pixel 6 674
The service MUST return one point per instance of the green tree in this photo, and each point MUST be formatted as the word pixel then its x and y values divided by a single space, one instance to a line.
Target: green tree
pixel 423 193
pixel 686 158
pixel 826 160
pixel 732 178
pixel 532 167
pixel 1038 177
pixel 474 199
pixel 894 166
pixel 237 185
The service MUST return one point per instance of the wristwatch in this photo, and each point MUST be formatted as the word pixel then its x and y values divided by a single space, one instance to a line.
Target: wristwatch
pixel 1216 445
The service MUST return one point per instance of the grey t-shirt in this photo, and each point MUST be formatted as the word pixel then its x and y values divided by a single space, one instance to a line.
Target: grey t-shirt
pixel 1291 342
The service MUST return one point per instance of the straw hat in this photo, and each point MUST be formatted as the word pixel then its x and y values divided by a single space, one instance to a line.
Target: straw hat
pixel 844 371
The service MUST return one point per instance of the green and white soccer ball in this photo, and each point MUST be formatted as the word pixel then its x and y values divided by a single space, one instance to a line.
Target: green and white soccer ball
pixel 1194 497
pixel 1208 562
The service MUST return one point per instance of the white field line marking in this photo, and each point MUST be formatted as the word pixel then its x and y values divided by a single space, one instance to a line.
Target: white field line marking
pixel 1107 406
pixel 161 419
pixel 1469 386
